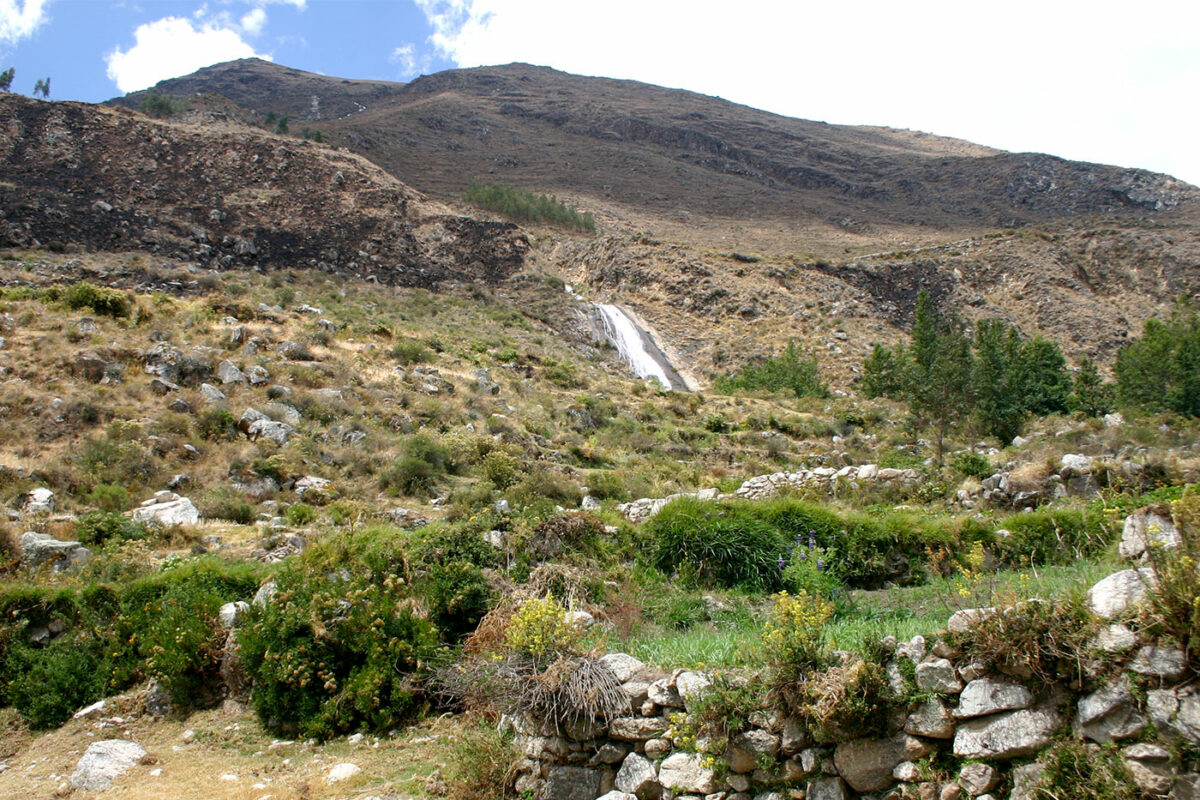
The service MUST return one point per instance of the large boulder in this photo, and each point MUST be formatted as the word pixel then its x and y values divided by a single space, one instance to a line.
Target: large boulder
pixel 41 548
pixel 104 762
pixel 867 764
pixel 1114 595
pixel 228 372
pixel 1148 527
pixel 621 665
pixel 1008 735
pixel 167 509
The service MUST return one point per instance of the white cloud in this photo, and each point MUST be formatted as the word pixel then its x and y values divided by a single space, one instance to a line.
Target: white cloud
pixel 410 65
pixel 20 18
pixel 252 21
pixel 170 47
pixel 300 4
pixel 1112 83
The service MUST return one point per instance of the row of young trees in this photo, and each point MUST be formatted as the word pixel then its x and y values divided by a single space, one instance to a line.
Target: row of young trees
pixel 993 378
pixel 998 381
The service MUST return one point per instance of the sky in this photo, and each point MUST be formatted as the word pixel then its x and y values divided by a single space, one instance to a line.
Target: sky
pixel 1110 82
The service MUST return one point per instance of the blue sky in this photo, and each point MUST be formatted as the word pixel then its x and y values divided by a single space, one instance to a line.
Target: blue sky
pixel 1106 81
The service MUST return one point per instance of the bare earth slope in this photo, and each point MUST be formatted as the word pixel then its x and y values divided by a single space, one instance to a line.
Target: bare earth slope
pixel 74 175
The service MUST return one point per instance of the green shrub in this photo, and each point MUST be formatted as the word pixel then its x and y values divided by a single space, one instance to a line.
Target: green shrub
pixel 787 371
pixel 47 685
pixel 108 497
pixel 561 373
pixel 971 465
pixel 216 424
pixel 458 597
pixel 410 351
pixel 102 301
pixel 462 542
pixel 480 761
pixel 228 506
pixel 300 514
pixel 1172 608
pixel 727 549
pixel 1045 639
pixel 525 206
pixel 98 527
pixel 173 617
pixel 502 468
pixel 607 485
pixel 335 651
pixel 1053 536
pixel 808 568
pixel 159 105
pixel 418 470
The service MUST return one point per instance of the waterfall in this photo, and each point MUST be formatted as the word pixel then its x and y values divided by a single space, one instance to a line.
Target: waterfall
pixel 636 347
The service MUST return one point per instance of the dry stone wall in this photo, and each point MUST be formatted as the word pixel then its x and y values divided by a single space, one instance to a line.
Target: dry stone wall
pixel 996 726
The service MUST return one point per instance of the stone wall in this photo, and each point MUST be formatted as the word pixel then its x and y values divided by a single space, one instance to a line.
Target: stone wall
pixel 1136 694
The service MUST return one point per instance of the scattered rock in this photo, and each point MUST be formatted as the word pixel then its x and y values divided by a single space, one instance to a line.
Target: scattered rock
pixel 227 373
pixel 341 772
pixel 38 501
pixel 931 719
pixel 104 762
pixel 211 394
pixel 1164 663
pixel 279 432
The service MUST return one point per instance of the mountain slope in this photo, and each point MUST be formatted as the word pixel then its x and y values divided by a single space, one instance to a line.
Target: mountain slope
pixel 93 177
pixel 673 152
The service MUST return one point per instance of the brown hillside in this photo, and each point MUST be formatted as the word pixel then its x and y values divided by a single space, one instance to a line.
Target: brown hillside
pixel 86 176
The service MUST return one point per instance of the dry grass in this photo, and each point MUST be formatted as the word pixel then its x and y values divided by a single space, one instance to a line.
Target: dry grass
pixel 231 743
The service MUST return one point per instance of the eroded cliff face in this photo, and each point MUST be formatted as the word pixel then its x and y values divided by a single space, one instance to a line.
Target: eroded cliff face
pixel 80 176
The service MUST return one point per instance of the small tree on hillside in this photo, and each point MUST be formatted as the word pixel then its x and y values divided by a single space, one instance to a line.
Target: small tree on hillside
pixel 938 383
pixel 1089 393
pixel 1161 370
pixel 42 87
pixel 6 79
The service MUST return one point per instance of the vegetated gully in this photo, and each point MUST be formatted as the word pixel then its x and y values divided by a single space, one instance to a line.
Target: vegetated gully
pixel 637 347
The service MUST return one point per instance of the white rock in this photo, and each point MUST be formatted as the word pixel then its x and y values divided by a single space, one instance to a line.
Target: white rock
pixel 341 772
pixel 962 621
pixel 96 709
pixel 39 501
pixel 1109 713
pixel 691 686
pixel 1145 528
pixel 937 676
pixel 41 548
pixel 988 696
pixel 977 778
pixel 636 775
pixel 1114 639
pixel 230 613
pixel 1113 595
pixel 621 665
pixel 104 762
pixel 1074 464
pixel 1114 420
pixel 173 512
pixel 1008 735
pixel 683 772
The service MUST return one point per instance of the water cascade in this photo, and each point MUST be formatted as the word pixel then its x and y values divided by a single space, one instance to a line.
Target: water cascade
pixel 637 348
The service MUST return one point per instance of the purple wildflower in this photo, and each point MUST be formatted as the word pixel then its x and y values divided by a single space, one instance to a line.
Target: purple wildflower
pixel 820 564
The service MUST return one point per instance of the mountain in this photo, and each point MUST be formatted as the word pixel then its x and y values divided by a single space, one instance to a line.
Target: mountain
pixel 673 152
pixel 729 231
